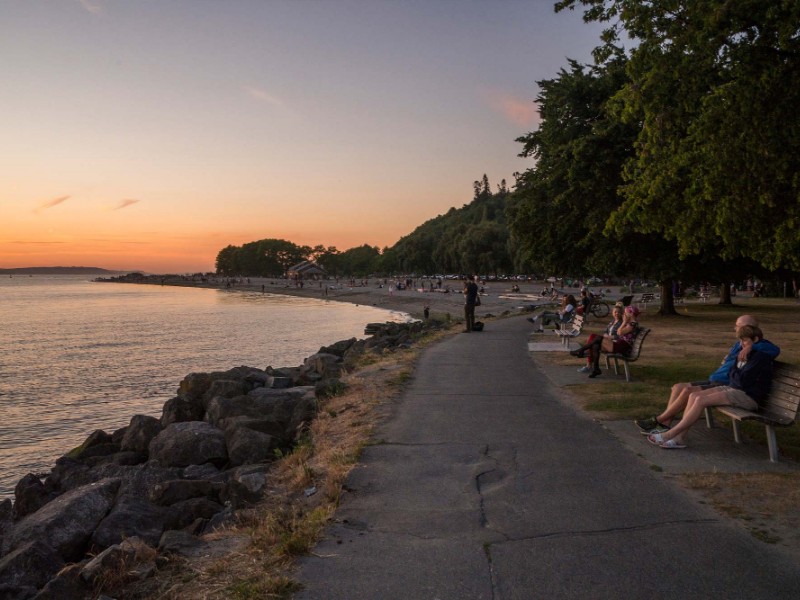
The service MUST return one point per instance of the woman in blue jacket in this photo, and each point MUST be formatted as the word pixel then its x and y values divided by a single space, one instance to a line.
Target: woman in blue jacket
pixel 750 378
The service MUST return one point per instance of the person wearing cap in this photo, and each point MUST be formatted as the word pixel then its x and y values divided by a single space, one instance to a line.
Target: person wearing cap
pixel 680 392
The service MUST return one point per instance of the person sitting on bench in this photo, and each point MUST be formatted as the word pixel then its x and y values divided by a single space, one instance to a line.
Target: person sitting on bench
pixel 679 394
pixel 593 344
pixel 568 305
pixel 750 381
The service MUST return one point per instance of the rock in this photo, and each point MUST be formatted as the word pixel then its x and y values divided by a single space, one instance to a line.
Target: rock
pixel 206 471
pixel 325 365
pixel 196 388
pixel 178 410
pixel 187 511
pixel 222 519
pixel 30 495
pixel 141 431
pixel 189 443
pixel 119 435
pixel 339 349
pixel 121 558
pixel 133 517
pixel 68 474
pixel 246 446
pixel 98 451
pixel 67 584
pixel 168 493
pixel 279 383
pixel 98 436
pixel 32 564
pixel 16 592
pixel 289 407
pixel 227 388
pixel 67 522
pixel 247 485
pixel 182 543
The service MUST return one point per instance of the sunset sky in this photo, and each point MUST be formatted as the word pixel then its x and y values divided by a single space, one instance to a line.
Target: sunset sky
pixel 150 134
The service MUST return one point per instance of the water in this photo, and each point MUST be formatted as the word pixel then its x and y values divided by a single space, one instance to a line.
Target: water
pixel 76 356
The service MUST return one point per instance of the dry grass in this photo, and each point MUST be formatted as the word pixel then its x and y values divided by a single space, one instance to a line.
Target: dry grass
pixel 305 489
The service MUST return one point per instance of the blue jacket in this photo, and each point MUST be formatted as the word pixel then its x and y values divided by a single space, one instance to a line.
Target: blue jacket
pixel 755 376
pixel 722 375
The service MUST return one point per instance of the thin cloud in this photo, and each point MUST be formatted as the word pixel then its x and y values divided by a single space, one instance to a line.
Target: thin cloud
pixel 31 242
pixel 124 203
pixel 262 95
pixel 523 113
pixel 51 203
pixel 91 7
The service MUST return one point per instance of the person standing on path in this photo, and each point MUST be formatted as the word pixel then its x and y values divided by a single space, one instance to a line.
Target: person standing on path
pixel 470 301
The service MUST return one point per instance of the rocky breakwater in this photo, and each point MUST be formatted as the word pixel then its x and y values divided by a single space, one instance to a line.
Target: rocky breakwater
pixel 121 499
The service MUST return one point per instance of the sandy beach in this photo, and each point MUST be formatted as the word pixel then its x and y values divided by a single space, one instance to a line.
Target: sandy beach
pixel 496 299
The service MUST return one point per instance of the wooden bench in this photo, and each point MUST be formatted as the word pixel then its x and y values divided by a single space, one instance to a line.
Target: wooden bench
pixel 646 299
pixel 778 410
pixel 569 330
pixel 633 356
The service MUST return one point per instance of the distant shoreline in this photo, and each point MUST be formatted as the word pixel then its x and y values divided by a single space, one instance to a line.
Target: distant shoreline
pixel 57 271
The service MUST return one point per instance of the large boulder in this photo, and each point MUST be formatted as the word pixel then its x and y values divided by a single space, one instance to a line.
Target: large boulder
pixel 325 365
pixel 30 495
pixel 178 410
pixel 339 349
pixel 132 518
pixel 140 433
pixel 66 523
pixel 288 407
pixel 32 564
pixel 247 446
pixel 188 511
pixel 196 388
pixel 189 443
pixel 176 490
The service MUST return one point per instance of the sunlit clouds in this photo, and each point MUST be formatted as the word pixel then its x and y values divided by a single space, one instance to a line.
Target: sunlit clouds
pixel 90 6
pixel 125 203
pixel 519 111
pixel 262 95
pixel 51 203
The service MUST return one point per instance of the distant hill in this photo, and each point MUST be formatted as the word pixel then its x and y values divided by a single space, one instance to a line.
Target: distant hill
pixel 56 271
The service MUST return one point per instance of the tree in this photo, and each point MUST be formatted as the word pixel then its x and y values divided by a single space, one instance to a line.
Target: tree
pixel 714 87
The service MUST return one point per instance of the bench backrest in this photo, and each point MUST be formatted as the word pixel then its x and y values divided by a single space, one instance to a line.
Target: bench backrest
pixel 575 325
pixel 647 297
pixel 636 346
pixel 783 401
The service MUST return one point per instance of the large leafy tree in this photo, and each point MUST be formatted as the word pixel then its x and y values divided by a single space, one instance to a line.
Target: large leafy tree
pixel 713 88
pixel 562 205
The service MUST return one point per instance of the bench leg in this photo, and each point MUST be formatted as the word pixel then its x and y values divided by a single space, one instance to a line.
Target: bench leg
pixel 737 431
pixel 616 367
pixel 709 418
pixel 627 373
pixel 772 442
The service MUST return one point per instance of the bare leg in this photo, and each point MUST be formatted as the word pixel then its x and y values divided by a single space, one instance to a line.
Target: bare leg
pixel 695 405
pixel 677 402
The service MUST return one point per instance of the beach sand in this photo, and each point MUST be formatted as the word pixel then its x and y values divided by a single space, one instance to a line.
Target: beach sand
pixel 496 300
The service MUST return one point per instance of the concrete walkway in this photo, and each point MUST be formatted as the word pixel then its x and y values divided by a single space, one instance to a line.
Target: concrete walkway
pixel 485 484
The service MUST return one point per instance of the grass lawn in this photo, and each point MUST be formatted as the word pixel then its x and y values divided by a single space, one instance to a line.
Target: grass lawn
pixel 688 347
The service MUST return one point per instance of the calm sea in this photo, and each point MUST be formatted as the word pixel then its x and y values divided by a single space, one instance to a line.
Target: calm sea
pixel 76 355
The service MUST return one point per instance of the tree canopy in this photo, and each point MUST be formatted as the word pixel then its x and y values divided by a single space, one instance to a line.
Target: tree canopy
pixel 712 87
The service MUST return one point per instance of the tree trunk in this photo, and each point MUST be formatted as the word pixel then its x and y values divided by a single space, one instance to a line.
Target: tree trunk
pixel 725 293
pixel 667 300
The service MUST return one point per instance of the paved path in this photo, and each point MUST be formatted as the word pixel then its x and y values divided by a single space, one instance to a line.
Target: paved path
pixel 486 486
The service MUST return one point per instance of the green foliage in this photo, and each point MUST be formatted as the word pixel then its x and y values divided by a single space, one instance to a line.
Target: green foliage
pixel 264 258
pixel 713 89
pixel 472 239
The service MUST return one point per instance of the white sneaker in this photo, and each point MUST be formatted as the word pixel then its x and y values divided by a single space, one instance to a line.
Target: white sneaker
pixel 584 369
